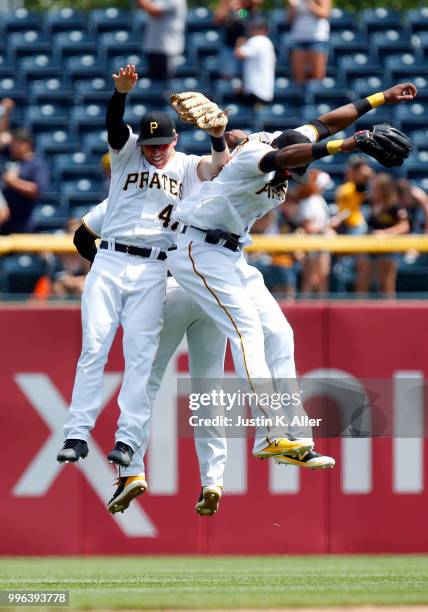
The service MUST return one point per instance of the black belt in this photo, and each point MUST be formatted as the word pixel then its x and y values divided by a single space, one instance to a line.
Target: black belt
pixel 132 250
pixel 231 241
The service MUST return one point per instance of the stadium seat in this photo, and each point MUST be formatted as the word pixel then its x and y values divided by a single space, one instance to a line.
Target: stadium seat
pixel 200 19
pixel 202 44
pixel 138 22
pixel 7 65
pixel 375 20
pixel 138 59
pixel 86 65
pixel 311 112
pixel 95 143
pixel 47 217
pixel 21 272
pixel 343 20
pixel 28 42
pixel 226 91
pixel 108 20
pixel 87 91
pixel 196 142
pixel 90 117
pixel 40 116
pixel 346 42
pixel 286 91
pixel 419 139
pixel 360 64
pixel 120 42
pixel 417 19
pixel 422 41
pixel 412 115
pixel 416 165
pixel 363 87
pixel 13 87
pixel 57 141
pixel 191 84
pixel 389 42
pixel 76 165
pixel 73 42
pixel 81 192
pixel 328 90
pixel 240 117
pixel 63 20
pixel 276 116
pixel 133 114
pixel 49 90
pixel 21 19
pixel 39 67
pixel 403 65
pixel 147 91
pixel 381 114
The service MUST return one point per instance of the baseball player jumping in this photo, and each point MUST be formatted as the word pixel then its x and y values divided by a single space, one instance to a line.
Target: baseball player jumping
pixel 209 262
pixel 126 284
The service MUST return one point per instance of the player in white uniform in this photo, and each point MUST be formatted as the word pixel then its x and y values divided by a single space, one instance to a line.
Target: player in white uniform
pixel 126 284
pixel 206 348
pixel 209 263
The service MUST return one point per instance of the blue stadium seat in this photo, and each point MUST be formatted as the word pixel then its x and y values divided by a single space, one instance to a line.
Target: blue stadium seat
pixel 64 19
pixel 404 65
pixel 79 211
pixel 40 116
pixel 95 143
pixel 81 191
pixel 416 165
pixel 90 117
pixel 202 44
pixel 75 165
pixel 381 114
pixel 147 91
pixel 139 22
pixel 200 19
pixel 28 42
pixel 389 42
pixel 134 112
pixel 276 116
pixel 328 90
pixel 411 115
pixel 343 20
pixel 21 19
pixel 47 217
pixel 422 183
pixel 311 112
pixel 191 84
pixel 20 273
pixel 92 90
pixel 86 65
pixel 13 87
pixel 109 20
pixel 363 87
pixel 225 91
pixel 422 41
pixel 73 42
pixel 286 91
pixel 360 64
pixel 57 141
pixel 240 117
pixel 138 59
pixel 210 65
pixel 420 139
pixel 196 142
pixel 41 66
pixel 375 20
pixel 346 42
pixel 417 19
pixel 49 90
pixel 120 42
pixel 7 65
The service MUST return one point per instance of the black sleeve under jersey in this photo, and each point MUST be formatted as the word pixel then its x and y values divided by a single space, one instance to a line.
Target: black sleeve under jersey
pixel 268 163
pixel 117 130
pixel 84 242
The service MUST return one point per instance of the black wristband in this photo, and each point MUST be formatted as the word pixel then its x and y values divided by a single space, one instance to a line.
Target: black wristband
pixel 218 143
pixel 362 106
pixel 319 149
pixel 321 128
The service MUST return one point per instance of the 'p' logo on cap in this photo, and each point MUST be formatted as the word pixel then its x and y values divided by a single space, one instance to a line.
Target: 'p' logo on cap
pixel 153 126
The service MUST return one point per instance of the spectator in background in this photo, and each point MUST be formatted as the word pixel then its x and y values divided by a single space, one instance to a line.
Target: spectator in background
pixel 234 16
pixel 351 196
pixel 258 56
pixel 314 217
pixel 387 217
pixel 6 107
pixel 415 201
pixel 25 177
pixel 310 34
pixel 164 36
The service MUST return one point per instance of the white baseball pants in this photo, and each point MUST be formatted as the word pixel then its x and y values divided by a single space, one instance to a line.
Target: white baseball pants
pixel 124 290
pixel 206 348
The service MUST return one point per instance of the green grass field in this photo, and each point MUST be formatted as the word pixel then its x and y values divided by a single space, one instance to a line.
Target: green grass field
pixel 223 582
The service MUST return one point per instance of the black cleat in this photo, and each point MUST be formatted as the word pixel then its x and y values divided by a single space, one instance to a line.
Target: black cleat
pixel 72 450
pixel 121 454
pixel 128 487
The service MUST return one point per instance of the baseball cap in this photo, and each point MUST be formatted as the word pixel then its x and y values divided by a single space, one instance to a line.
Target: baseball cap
pixel 156 128
pixel 291 137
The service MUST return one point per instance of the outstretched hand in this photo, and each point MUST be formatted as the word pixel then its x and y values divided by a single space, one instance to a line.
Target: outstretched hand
pixel 126 80
pixel 404 92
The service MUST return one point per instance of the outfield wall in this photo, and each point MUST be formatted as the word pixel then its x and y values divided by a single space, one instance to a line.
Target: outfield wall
pixel 375 500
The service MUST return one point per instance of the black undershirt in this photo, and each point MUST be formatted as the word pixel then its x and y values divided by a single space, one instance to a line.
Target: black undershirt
pixel 117 130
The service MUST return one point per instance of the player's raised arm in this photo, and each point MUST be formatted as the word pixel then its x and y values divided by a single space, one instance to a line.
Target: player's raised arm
pixel 117 130
pixel 336 120
pixel 195 108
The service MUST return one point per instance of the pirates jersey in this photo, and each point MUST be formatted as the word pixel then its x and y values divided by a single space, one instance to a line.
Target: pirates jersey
pixel 142 197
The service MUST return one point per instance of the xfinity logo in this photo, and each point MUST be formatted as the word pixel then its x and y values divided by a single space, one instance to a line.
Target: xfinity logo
pixel 43 469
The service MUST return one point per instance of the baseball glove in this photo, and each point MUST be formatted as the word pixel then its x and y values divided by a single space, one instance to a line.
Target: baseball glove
pixel 195 108
pixel 385 143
